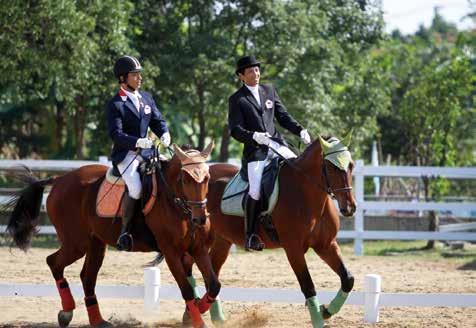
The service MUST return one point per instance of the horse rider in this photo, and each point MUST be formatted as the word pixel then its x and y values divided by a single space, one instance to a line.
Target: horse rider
pixel 252 110
pixel 130 113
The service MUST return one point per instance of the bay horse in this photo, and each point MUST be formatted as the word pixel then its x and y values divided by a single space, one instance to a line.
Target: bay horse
pixel 178 221
pixel 304 217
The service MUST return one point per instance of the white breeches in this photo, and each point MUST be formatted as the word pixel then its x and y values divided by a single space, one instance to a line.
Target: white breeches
pixel 130 175
pixel 255 169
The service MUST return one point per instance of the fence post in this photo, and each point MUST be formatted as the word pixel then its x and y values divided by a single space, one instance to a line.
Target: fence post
pixel 151 290
pixel 359 213
pixel 372 289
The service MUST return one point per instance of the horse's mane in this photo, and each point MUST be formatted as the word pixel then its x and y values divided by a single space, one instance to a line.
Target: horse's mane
pixel 309 147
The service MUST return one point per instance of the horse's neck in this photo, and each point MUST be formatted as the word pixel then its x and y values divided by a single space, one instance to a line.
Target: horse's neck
pixel 310 161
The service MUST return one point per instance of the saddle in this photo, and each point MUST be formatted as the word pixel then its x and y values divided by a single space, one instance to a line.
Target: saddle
pixel 232 202
pixel 113 187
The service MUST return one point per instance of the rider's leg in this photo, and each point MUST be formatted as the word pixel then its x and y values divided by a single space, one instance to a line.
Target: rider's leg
pixel 255 173
pixel 132 180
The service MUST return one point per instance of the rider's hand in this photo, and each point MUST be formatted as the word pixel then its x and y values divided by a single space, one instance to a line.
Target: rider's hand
pixel 144 143
pixel 165 139
pixel 261 138
pixel 305 137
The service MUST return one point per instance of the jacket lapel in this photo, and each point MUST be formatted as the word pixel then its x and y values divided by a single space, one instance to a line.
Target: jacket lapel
pixel 262 97
pixel 128 103
pixel 250 97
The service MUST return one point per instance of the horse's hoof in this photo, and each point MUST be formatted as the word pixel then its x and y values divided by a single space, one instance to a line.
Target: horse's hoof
pixel 186 321
pixel 324 312
pixel 64 318
pixel 104 324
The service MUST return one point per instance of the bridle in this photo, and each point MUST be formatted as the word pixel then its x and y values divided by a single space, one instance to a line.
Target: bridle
pixel 329 189
pixel 184 204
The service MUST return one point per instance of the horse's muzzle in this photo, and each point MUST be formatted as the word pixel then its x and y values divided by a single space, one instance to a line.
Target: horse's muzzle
pixel 348 210
pixel 200 220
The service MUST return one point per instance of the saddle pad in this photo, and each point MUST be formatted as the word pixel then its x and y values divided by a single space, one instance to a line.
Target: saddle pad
pixel 110 193
pixel 236 189
pixel 109 199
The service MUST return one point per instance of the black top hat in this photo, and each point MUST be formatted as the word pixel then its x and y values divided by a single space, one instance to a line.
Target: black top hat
pixel 245 62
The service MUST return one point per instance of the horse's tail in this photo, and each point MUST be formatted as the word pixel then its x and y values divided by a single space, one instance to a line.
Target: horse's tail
pixel 26 206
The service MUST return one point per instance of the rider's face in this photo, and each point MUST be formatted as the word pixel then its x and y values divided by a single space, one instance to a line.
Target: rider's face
pixel 134 79
pixel 251 76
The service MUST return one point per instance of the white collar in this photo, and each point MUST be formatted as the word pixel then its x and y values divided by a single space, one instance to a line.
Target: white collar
pixel 253 89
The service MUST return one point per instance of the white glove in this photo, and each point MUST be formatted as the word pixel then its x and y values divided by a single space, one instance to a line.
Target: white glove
pixel 261 138
pixel 305 137
pixel 165 139
pixel 144 143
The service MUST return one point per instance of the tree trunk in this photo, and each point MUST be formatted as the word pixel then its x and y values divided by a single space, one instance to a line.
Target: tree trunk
pixel 79 126
pixel 201 115
pixel 433 226
pixel 225 142
pixel 60 126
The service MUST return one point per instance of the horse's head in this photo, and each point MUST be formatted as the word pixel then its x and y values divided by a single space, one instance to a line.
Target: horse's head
pixel 193 178
pixel 337 171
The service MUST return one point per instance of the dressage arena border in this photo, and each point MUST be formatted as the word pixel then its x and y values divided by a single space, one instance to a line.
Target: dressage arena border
pixel 152 292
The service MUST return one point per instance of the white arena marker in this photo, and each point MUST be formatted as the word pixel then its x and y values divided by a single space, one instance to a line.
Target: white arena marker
pixel 372 289
pixel 151 290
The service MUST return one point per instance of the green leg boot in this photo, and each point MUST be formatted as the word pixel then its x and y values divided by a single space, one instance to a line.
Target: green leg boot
pixel 216 312
pixel 313 306
pixel 337 302
pixel 193 283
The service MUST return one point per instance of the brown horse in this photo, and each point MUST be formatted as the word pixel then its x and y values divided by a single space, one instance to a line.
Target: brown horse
pixel 304 217
pixel 177 221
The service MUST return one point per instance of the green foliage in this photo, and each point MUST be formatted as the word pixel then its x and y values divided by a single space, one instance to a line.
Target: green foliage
pixel 330 61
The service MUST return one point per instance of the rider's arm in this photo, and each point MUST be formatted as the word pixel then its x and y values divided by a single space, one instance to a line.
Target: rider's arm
pixel 114 124
pixel 236 122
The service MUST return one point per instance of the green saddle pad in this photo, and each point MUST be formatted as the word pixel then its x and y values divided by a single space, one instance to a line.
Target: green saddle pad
pixel 236 189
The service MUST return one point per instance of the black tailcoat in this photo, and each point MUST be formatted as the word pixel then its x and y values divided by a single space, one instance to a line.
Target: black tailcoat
pixel 245 117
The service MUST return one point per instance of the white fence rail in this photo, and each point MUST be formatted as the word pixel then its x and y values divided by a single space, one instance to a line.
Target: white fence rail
pixel 360 172
pixel 152 292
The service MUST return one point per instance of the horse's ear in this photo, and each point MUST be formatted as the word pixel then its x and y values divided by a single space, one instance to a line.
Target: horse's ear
pixel 206 152
pixel 180 153
pixel 346 140
pixel 324 144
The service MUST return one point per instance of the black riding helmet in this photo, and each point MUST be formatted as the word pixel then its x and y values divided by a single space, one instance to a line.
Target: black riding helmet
pixel 125 65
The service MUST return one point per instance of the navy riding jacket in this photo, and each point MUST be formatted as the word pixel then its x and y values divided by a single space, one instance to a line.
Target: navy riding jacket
pixel 126 124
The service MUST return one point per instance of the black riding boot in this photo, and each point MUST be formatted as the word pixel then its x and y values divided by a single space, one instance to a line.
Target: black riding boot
pixel 124 242
pixel 252 240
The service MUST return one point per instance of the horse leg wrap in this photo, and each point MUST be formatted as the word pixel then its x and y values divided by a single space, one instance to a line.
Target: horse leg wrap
pixel 95 317
pixel 67 300
pixel 193 283
pixel 337 302
pixel 216 311
pixel 313 306
pixel 194 314
pixel 205 303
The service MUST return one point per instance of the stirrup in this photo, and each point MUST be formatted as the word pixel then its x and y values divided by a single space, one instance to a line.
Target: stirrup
pixel 125 242
pixel 253 242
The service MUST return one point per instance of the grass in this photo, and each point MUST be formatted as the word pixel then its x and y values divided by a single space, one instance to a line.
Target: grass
pixel 412 249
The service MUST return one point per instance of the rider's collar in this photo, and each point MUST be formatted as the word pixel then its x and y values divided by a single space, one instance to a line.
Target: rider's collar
pixel 124 94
